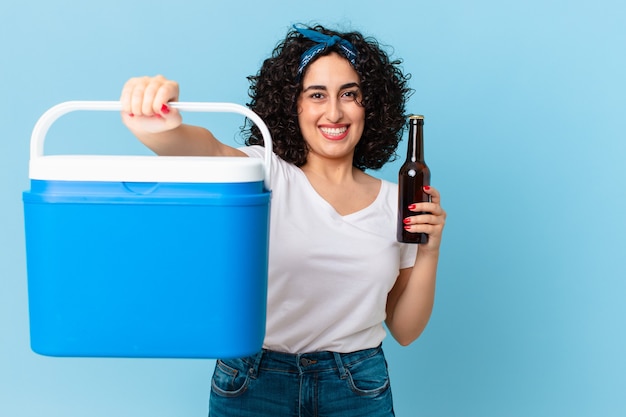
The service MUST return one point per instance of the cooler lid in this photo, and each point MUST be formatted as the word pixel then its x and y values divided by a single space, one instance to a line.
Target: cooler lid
pixel 190 169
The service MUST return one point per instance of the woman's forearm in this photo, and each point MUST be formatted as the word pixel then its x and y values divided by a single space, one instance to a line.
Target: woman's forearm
pixel 411 301
pixel 186 140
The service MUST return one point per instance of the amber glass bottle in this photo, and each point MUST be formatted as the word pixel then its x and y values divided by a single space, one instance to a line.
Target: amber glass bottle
pixel 412 177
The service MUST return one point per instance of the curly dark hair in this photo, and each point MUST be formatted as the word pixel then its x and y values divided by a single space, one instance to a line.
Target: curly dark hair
pixel 276 87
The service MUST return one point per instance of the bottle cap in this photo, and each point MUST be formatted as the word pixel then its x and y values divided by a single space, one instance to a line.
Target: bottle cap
pixel 416 117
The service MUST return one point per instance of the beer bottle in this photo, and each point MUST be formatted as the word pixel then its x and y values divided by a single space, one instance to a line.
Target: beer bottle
pixel 412 177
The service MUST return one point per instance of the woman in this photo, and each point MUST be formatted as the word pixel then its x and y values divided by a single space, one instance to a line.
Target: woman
pixel 334 104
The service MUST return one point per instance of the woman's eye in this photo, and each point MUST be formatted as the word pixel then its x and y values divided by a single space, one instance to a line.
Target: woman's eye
pixel 351 95
pixel 317 96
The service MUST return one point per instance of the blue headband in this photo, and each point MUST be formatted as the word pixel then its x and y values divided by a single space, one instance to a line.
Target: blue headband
pixel 322 43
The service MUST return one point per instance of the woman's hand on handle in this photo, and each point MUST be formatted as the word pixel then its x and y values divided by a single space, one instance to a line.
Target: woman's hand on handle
pixel 144 105
pixel 146 113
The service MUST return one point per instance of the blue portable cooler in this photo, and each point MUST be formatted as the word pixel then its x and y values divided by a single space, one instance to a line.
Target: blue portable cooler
pixel 146 256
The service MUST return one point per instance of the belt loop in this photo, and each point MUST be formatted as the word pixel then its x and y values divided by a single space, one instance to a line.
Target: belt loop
pixel 343 373
pixel 254 370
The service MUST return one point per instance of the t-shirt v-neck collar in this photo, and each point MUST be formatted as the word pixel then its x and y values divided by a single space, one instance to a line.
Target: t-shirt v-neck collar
pixel 323 202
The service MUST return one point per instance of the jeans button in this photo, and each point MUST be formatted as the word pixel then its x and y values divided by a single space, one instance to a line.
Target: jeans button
pixel 306 362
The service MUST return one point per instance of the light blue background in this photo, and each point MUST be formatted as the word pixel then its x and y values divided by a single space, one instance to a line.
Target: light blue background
pixel 525 108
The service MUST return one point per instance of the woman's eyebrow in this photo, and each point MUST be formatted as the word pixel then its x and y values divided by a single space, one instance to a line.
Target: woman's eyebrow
pixel 315 87
pixel 324 88
pixel 350 85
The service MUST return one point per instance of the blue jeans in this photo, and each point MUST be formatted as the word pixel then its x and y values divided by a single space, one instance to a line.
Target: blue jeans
pixel 316 384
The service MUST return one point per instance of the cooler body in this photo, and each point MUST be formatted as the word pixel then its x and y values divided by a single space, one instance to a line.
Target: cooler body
pixel 146 269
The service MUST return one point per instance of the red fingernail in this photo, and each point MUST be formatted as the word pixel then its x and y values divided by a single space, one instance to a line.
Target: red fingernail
pixel 412 207
pixel 426 187
pixel 131 115
pixel 165 109
pixel 407 227
pixel 407 220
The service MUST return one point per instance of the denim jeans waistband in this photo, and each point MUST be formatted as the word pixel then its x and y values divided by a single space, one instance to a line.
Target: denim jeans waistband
pixel 308 362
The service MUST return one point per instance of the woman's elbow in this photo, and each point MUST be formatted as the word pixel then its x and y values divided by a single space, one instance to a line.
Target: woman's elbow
pixel 406 338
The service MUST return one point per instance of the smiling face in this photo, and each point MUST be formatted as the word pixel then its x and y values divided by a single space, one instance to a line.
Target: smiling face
pixel 330 115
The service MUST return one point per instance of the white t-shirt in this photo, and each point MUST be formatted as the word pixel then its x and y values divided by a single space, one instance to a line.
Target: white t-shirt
pixel 329 275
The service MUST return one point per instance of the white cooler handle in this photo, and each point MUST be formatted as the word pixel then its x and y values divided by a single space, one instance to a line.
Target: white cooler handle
pixel 51 115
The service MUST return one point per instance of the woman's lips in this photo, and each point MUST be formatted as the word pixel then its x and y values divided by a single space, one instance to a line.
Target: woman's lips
pixel 334 132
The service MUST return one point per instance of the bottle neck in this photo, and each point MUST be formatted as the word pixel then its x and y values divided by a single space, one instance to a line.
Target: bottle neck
pixel 415 151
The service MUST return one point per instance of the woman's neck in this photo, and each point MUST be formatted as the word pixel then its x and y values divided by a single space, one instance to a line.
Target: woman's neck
pixel 333 171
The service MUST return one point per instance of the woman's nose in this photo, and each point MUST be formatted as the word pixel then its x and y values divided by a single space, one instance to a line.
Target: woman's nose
pixel 334 112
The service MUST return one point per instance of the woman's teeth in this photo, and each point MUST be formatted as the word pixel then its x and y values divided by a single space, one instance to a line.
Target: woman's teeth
pixel 334 131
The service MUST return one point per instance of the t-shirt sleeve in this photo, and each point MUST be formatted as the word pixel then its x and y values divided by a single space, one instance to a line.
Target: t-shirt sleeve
pixel 255 151
pixel 408 251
